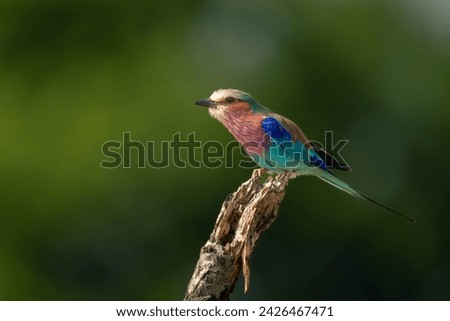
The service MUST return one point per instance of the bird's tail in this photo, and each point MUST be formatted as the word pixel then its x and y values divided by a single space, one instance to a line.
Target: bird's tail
pixel 336 182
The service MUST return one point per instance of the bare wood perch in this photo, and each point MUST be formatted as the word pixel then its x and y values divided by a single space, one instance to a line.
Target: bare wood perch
pixel 244 215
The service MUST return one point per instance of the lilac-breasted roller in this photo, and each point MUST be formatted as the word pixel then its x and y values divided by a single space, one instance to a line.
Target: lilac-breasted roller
pixel 274 142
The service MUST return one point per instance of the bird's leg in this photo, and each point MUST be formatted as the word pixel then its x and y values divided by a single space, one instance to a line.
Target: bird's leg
pixel 258 174
pixel 262 171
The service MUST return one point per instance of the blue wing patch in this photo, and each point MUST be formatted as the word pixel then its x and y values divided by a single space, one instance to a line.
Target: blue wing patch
pixel 272 127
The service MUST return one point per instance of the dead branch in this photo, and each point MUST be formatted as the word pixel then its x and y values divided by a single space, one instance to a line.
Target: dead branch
pixel 244 216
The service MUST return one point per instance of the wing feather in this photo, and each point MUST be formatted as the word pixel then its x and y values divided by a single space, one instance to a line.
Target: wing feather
pixel 284 129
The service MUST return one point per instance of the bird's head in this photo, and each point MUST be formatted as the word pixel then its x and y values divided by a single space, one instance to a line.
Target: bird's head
pixel 225 101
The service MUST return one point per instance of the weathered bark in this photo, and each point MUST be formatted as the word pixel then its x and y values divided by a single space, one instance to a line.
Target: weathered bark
pixel 245 214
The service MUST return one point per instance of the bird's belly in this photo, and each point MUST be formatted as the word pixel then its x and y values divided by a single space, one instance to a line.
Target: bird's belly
pixel 285 157
pixel 276 167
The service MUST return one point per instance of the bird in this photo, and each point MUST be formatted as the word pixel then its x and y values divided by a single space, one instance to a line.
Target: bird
pixel 275 143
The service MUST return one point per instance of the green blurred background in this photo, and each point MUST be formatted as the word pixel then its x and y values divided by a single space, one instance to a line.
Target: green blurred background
pixel 74 75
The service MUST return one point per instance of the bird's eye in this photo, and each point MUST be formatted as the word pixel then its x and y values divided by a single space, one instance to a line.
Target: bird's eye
pixel 230 100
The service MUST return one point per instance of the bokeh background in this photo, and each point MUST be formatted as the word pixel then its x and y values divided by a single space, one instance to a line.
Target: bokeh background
pixel 75 75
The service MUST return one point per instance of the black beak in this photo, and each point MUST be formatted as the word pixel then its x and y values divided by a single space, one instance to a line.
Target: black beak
pixel 205 102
